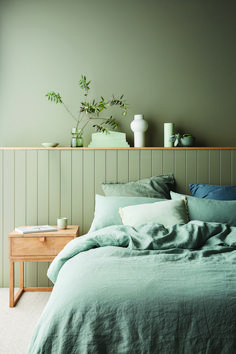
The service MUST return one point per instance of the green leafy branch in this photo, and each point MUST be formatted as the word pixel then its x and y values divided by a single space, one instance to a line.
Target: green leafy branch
pixel 109 122
pixel 90 110
pixel 56 97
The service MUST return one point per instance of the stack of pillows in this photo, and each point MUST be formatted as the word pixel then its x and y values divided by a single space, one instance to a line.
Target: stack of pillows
pixel 211 203
pixel 154 200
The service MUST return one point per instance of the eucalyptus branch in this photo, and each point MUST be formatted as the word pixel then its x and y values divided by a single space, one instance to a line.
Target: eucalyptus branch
pixel 56 97
pixel 82 129
pixel 71 114
pixel 92 108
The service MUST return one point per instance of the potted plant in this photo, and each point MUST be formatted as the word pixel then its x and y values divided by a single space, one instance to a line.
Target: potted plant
pixel 89 112
pixel 175 139
pixel 187 140
pixel 182 140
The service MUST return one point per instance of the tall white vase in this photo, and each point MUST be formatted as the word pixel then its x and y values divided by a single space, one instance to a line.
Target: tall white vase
pixel 139 126
pixel 168 131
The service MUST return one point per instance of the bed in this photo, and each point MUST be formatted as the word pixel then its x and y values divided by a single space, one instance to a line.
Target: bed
pixel 154 274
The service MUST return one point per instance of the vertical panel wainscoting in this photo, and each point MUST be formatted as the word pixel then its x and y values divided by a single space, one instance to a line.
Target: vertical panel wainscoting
pixel 38 185
pixel 1 221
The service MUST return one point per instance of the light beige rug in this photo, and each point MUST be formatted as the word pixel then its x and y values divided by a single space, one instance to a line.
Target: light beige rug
pixel 17 323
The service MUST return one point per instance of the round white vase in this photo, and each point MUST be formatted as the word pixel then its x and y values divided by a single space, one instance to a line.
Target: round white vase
pixel 139 126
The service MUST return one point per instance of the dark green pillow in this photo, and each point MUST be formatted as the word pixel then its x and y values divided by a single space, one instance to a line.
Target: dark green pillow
pixel 209 210
pixel 154 187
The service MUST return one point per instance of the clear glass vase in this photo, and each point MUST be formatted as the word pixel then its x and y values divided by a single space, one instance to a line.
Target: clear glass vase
pixel 76 138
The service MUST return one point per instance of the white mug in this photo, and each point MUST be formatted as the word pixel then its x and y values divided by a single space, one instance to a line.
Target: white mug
pixel 62 223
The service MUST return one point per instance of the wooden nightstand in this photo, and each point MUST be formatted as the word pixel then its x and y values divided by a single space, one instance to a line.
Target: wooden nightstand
pixel 35 247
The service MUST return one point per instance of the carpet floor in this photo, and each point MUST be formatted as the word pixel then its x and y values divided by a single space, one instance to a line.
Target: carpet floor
pixel 17 323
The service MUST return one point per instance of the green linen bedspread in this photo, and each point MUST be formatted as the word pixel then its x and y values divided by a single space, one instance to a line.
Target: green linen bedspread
pixel 146 290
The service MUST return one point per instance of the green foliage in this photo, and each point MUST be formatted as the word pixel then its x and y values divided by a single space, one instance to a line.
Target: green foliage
pixel 176 138
pixel 84 84
pixel 54 97
pixel 109 122
pixel 120 102
pixel 90 110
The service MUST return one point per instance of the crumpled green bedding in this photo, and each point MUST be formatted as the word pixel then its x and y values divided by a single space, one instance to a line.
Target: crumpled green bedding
pixel 147 290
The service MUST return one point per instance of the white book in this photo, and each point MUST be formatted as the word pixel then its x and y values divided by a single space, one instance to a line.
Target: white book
pixel 32 229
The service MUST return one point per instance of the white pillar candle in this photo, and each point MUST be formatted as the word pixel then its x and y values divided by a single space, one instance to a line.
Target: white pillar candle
pixel 139 126
pixel 62 223
pixel 168 131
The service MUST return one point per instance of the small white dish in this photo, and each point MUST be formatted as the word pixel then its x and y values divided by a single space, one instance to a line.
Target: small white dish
pixel 51 145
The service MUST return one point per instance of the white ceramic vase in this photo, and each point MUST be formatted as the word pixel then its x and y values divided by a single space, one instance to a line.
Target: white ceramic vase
pixel 139 126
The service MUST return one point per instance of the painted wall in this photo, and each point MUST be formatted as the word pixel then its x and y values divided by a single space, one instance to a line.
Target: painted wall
pixel 173 60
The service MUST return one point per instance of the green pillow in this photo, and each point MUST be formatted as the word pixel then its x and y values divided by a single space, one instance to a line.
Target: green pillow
pixel 154 187
pixel 209 210
pixel 107 209
pixel 168 212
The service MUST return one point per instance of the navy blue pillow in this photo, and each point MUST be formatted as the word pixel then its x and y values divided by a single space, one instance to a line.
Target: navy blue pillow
pixel 211 191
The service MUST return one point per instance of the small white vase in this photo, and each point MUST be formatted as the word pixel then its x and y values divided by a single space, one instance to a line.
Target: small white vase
pixel 139 126
pixel 168 131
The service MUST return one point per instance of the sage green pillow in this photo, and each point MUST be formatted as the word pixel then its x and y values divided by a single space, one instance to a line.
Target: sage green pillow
pixel 209 210
pixel 154 187
pixel 169 212
pixel 107 209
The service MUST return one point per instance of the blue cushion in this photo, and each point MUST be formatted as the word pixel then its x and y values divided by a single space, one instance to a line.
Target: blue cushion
pixel 210 191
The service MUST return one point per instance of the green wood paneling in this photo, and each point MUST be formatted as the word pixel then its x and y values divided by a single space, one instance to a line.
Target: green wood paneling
pixel 31 269
pixel 214 167
pixel 180 171
pixel 123 165
pixel 168 161
pixel 145 164
pixel 157 162
pixel 77 189
pixel 8 209
pixel 20 188
pixel 233 167
pixel 43 187
pixel 1 219
pixel 66 185
pixel 134 165
pixel 100 170
pixel 203 166
pixel 20 195
pixel 225 167
pixel 43 207
pixel 191 168
pixel 111 166
pixel 89 189
pixel 37 186
pixel 54 186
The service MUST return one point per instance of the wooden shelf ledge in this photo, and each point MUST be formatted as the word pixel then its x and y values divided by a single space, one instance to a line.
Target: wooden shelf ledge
pixel 120 148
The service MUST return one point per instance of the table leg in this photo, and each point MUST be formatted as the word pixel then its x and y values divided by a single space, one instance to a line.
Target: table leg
pixel 21 275
pixel 13 299
pixel 11 285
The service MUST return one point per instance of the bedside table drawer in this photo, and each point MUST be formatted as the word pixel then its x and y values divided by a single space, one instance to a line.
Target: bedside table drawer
pixel 38 246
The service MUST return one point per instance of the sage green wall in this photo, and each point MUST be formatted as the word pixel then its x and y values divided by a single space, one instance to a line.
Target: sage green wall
pixel 173 60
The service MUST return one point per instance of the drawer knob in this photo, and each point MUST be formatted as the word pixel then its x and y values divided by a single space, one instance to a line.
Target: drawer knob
pixel 42 239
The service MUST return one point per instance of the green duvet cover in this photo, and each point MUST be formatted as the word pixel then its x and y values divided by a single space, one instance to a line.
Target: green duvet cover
pixel 146 290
